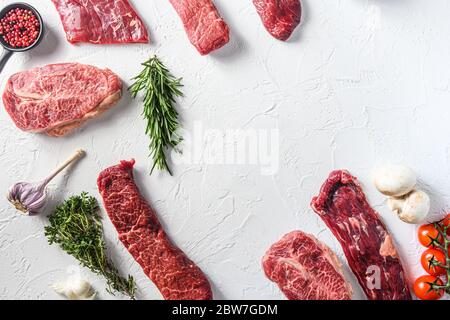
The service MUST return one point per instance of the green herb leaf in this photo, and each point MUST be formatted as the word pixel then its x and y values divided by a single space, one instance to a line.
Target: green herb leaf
pixel 160 89
pixel 76 227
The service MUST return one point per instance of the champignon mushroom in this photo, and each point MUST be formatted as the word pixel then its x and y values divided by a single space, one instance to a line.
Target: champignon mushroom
pixel 411 208
pixel 395 180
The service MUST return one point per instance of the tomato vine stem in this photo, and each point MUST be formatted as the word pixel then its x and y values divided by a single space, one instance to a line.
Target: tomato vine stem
pixel 444 246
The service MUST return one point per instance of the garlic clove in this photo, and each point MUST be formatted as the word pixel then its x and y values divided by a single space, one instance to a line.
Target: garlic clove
pixel 75 288
pixel 81 288
pixel 412 208
pixel 394 180
pixel 59 287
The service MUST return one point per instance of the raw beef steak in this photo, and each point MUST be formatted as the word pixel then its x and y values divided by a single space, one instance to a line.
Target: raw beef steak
pixel 280 17
pixel 101 21
pixel 177 277
pixel 367 244
pixel 306 269
pixel 205 28
pixel 58 98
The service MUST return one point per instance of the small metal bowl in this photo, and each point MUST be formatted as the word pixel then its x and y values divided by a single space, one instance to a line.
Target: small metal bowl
pixel 8 50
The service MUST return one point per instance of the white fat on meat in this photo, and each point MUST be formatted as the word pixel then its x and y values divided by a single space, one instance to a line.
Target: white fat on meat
pixel 387 248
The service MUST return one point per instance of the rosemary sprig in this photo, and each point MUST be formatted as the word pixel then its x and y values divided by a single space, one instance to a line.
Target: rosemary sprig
pixel 76 227
pixel 160 89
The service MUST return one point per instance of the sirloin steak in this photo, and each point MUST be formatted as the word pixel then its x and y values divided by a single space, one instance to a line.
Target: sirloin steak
pixel 369 248
pixel 280 17
pixel 58 98
pixel 206 30
pixel 306 269
pixel 101 21
pixel 176 277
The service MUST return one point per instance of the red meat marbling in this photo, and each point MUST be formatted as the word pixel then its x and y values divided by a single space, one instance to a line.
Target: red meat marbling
pixel 101 21
pixel 306 269
pixel 175 275
pixel 367 244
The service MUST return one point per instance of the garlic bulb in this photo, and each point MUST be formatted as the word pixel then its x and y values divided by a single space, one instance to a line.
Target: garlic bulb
pixel 29 198
pixel 75 288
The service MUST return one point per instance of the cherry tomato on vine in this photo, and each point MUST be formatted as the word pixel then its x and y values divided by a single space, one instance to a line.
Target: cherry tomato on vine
pixel 446 223
pixel 436 255
pixel 426 233
pixel 423 290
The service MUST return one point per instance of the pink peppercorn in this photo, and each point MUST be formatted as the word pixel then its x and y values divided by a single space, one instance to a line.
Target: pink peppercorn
pixel 19 28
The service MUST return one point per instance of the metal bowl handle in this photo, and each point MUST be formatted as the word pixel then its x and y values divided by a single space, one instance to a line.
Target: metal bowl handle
pixel 6 54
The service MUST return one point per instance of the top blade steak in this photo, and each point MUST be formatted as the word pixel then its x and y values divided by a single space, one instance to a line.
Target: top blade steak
pixel 306 269
pixel 56 99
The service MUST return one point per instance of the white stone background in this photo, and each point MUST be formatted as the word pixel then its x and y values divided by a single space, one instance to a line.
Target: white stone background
pixel 360 82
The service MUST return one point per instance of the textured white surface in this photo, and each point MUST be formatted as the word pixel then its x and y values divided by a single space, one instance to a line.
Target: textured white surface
pixel 362 81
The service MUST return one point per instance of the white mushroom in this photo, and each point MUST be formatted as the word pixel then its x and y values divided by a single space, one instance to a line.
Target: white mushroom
pixel 411 208
pixel 395 180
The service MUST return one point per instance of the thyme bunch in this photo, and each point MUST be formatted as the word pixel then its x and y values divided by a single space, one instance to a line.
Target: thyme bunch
pixel 76 227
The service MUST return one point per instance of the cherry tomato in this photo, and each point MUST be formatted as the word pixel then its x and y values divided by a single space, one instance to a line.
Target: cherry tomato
pixel 436 255
pixel 446 223
pixel 423 290
pixel 426 233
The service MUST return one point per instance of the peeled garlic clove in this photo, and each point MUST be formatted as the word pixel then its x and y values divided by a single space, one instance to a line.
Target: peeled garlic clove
pixel 75 288
pixel 59 287
pixel 395 180
pixel 411 208
pixel 81 288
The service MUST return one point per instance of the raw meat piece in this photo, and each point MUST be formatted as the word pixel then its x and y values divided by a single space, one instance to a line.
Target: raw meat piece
pixel 367 244
pixel 101 21
pixel 205 28
pixel 306 269
pixel 177 277
pixel 58 98
pixel 280 17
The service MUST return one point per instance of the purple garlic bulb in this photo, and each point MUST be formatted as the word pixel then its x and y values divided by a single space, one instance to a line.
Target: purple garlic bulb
pixel 29 198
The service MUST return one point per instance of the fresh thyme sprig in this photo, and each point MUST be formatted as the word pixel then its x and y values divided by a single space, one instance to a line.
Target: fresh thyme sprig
pixel 76 227
pixel 160 88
